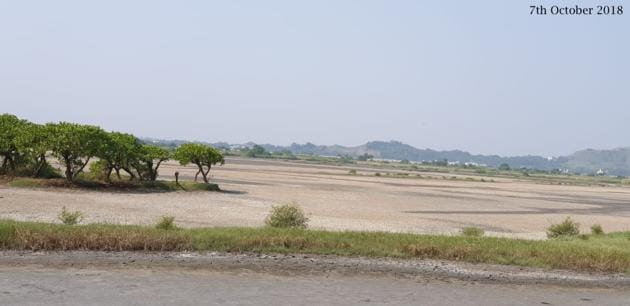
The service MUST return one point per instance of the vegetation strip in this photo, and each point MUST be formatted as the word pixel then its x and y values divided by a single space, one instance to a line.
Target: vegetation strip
pixel 593 253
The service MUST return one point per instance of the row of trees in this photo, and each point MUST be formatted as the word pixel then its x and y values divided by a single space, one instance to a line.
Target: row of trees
pixel 24 147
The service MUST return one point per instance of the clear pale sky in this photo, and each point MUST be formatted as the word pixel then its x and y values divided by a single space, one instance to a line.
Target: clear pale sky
pixel 481 76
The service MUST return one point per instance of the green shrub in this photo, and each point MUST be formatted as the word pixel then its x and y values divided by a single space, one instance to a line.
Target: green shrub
pixel 567 228
pixel 377 174
pixel 70 217
pixel 352 172
pixel 48 172
pixel 98 170
pixel 286 215
pixel 472 231
pixel 597 229
pixel 166 223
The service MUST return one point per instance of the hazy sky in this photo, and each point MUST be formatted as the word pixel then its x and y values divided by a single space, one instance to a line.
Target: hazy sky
pixel 482 76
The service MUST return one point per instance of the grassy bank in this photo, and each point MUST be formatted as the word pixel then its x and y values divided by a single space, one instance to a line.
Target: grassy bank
pixel 607 253
pixel 114 185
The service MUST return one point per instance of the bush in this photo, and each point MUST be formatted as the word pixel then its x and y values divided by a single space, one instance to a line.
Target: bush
pixel 472 231
pixel 48 172
pixel 286 215
pixel 98 170
pixel 567 228
pixel 166 223
pixel 597 229
pixel 377 174
pixel 352 172
pixel 70 217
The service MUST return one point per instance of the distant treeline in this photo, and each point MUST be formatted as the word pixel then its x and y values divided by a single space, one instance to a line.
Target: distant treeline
pixel 610 162
pixel 25 147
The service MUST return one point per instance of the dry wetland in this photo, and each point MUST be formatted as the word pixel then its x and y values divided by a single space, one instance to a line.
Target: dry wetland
pixel 333 199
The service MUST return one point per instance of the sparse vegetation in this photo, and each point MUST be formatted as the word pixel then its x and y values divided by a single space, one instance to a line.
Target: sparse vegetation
pixel 287 216
pixel 352 172
pixel 166 223
pixel 70 217
pixel 604 253
pixel 597 229
pixel 88 183
pixel 472 231
pixel 566 228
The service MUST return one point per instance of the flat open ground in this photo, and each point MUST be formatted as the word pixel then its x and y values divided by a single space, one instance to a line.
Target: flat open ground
pixel 335 200
pixel 105 278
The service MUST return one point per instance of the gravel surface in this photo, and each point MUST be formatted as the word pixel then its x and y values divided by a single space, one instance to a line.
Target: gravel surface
pixel 317 264
pixel 93 278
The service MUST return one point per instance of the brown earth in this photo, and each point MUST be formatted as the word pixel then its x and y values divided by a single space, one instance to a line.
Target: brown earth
pixel 335 200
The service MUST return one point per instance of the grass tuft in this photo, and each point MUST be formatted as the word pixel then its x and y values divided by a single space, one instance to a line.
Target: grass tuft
pixel 287 216
pixel 70 217
pixel 597 229
pixel 566 228
pixel 166 223
pixel 472 231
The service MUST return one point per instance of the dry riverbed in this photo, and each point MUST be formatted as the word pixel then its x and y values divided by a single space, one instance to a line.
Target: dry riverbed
pixel 335 200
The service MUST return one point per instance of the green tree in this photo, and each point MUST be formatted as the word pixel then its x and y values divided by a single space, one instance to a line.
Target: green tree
pixel 10 127
pixel 74 145
pixel 34 142
pixel 204 157
pixel 120 151
pixel 256 151
pixel 504 167
pixel 365 157
pixel 151 157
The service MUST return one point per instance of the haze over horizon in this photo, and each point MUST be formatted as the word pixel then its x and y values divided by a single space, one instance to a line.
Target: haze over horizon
pixel 483 77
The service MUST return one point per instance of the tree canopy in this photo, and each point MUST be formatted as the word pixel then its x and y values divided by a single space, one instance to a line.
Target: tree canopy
pixel 10 129
pixel 24 147
pixel 204 157
pixel 74 145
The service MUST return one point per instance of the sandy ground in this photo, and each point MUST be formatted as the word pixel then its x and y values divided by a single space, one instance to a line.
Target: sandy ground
pixel 337 201
pixel 123 278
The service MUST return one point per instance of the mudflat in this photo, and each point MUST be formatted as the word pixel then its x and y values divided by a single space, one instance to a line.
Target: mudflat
pixel 336 200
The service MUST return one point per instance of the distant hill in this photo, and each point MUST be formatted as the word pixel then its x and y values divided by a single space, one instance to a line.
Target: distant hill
pixel 611 162
pixel 396 150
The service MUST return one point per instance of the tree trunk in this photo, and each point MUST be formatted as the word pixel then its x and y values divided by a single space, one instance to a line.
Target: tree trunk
pixel 69 174
pixel 131 175
pixel 40 162
pixel 82 166
pixel 205 175
pixel 11 165
pixel 154 171
pixel 3 168
pixel 108 175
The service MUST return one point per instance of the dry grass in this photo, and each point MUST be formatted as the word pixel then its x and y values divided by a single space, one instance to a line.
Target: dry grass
pixel 603 253
pixel 39 236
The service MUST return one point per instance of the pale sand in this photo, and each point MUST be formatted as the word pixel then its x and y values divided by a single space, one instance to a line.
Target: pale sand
pixel 337 201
